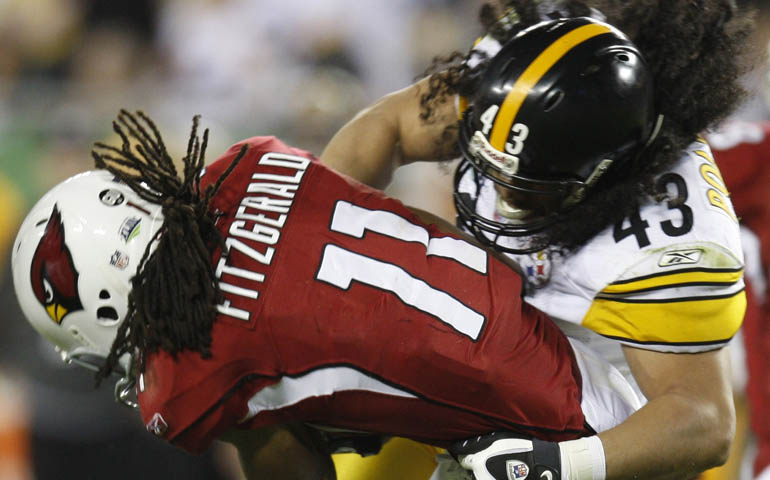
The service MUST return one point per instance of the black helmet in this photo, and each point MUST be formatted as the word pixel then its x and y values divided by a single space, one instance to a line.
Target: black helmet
pixel 559 105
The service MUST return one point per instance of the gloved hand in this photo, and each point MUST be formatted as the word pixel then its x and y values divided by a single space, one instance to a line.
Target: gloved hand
pixel 504 456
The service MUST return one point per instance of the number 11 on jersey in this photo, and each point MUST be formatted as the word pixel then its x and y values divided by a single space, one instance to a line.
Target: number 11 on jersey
pixel 340 267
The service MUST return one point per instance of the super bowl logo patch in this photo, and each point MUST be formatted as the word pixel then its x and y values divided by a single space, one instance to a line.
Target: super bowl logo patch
pixel 516 470
pixel 129 229
pixel 119 260
pixel 537 268
pixel 672 258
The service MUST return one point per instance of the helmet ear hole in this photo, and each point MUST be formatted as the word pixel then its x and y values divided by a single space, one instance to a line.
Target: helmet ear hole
pixel 104 295
pixel 107 316
pixel 623 57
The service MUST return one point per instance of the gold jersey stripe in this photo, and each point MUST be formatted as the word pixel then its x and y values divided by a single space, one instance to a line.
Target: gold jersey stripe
pixel 726 277
pixel 533 74
pixel 688 322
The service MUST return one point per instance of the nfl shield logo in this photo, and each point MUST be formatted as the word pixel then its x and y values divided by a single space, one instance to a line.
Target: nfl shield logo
pixel 516 470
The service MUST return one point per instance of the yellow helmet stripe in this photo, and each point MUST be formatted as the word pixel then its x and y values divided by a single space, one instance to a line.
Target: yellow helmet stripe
pixel 533 74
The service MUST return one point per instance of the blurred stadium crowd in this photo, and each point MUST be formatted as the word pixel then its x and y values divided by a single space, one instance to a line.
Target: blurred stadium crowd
pixel 293 68
pixel 297 69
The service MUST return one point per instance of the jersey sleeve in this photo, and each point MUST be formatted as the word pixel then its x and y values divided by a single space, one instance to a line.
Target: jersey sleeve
pixel 221 417
pixel 682 290
pixel 655 306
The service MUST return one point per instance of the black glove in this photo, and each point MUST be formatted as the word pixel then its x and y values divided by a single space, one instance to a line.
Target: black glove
pixel 505 456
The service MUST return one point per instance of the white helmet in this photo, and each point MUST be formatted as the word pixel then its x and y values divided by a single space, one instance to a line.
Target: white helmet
pixel 73 261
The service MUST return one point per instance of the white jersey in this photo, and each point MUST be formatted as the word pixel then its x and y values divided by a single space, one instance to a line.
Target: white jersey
pixel 667 279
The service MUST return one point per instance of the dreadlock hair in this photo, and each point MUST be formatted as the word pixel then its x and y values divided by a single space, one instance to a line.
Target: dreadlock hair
pixel 174 292
pixel 697 51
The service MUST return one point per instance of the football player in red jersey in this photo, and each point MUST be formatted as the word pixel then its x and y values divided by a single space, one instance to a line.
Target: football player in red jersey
pixel 741 149
pixel 273 303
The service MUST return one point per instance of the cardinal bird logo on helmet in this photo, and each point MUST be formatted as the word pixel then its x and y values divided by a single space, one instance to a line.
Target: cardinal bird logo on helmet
pixel 53 275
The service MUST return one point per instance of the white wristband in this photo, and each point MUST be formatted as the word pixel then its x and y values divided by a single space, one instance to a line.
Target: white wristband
pixel 583 459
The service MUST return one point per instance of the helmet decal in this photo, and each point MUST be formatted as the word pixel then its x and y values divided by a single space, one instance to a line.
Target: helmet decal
pixel 53 276
pixel 534 72
pixel 111 197
pixel 119 260
pixel 130 228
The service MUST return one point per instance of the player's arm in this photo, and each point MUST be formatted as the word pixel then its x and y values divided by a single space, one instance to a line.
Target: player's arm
pixel 290 452
pixel 391 133
pixel 686 426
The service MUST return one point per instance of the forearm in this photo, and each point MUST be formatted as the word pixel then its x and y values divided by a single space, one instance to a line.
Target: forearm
pixel 688 423
pixel 390 133
pixel 366 148
pixel 674 436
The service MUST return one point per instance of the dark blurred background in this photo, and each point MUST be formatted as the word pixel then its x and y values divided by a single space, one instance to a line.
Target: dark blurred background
pixel 297 69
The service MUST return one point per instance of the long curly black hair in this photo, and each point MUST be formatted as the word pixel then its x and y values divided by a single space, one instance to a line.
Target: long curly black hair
pixel 697 51
pixel 174 292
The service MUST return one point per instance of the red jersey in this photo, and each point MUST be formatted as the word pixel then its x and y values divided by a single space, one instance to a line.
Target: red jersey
pixel 341 308
pixel 742 151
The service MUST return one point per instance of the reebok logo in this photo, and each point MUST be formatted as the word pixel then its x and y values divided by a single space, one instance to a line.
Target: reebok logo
pixel 680 257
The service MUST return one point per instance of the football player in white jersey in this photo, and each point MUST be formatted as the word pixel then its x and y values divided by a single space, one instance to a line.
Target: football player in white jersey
pixel 582 159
